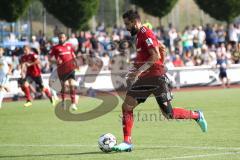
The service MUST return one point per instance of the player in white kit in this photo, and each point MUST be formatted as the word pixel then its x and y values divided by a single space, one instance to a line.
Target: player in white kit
pixel 5 70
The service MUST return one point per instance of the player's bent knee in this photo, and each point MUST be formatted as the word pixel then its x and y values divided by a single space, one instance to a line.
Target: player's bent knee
pixel 66 83
pixel 73 83
pixel 166 108
pixel 130 101
pixel 127 107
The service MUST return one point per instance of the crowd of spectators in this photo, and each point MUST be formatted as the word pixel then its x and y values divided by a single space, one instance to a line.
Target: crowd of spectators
pixel 195 46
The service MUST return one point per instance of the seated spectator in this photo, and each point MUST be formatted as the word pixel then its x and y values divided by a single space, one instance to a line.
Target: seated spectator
pixel 178 62
pixel 188 59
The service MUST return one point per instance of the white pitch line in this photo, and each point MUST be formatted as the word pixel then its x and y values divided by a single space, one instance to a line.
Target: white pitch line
pixel 192 147
pixel 46 145
pixel 198 156
pixel 138 146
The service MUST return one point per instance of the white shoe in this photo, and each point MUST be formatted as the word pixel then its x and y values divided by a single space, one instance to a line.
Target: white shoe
pixel 56 98
pixel 73 107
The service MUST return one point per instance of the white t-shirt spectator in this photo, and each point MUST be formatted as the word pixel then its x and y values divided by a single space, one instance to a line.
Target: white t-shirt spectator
pixel 233 33
pixel 172 36
pixel 201 35
pixel 73 40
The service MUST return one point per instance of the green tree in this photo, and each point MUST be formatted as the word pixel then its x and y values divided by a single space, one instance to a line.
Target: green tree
pixel 11 10
pixel 225 10
pixel 72 13
pixel 158 8
pixel 107 11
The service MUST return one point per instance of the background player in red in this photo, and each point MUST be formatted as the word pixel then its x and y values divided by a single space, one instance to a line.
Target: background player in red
pixel 65 59
pixel 148 77
pixel 31 72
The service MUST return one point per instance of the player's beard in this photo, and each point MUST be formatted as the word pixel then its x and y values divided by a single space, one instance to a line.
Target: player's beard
pixel 61 42
pixel 133 31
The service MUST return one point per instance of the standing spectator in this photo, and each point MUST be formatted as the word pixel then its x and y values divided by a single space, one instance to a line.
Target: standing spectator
pixel 35 45
pixel 172 37
pixel 201 37
pixel 81 40
pixel 74 41
pixel 222 65
pixel 187 39
pixel 221 33
pixel 208 32
pixel 94 42
pixel 214 36
pixel 198 41
pixel 233 34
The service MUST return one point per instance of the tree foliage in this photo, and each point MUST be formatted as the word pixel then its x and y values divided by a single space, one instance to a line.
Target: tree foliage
pixel 225 10
pixel 158 8
pixel 11 10
pixel 72 13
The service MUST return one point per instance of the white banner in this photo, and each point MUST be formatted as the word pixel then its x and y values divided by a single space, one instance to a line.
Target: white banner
pixel 181 77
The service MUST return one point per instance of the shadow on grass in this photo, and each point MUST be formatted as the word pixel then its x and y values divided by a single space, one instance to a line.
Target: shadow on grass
pixel 53 155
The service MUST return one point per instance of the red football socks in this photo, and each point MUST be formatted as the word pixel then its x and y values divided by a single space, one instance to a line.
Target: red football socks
pixel 180 113
pixel 127 122
pixel 73 94
pixel 26 90
pixel 46 91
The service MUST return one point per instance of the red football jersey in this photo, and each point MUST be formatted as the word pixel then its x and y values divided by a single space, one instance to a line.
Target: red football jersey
pixel 64 55
pixel 33 70
pixel 145 40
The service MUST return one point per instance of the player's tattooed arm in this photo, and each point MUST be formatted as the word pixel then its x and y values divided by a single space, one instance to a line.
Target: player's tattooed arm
pixel 154 56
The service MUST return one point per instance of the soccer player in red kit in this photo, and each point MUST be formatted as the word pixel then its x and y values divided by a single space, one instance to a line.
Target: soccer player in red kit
pixel 31 72
pixel 65 59
pixel 148 77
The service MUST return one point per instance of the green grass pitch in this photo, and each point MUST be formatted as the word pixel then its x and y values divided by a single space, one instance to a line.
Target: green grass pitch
pixel 35 133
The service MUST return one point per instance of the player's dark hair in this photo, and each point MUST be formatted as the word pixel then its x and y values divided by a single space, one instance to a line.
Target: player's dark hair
pixel 131 15
pixel 61 33
pixel 26 46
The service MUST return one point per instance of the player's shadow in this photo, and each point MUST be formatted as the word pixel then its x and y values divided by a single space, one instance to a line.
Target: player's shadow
pixel 53 155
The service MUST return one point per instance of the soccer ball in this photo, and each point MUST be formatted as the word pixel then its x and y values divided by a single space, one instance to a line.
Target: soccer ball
pixel 106 142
